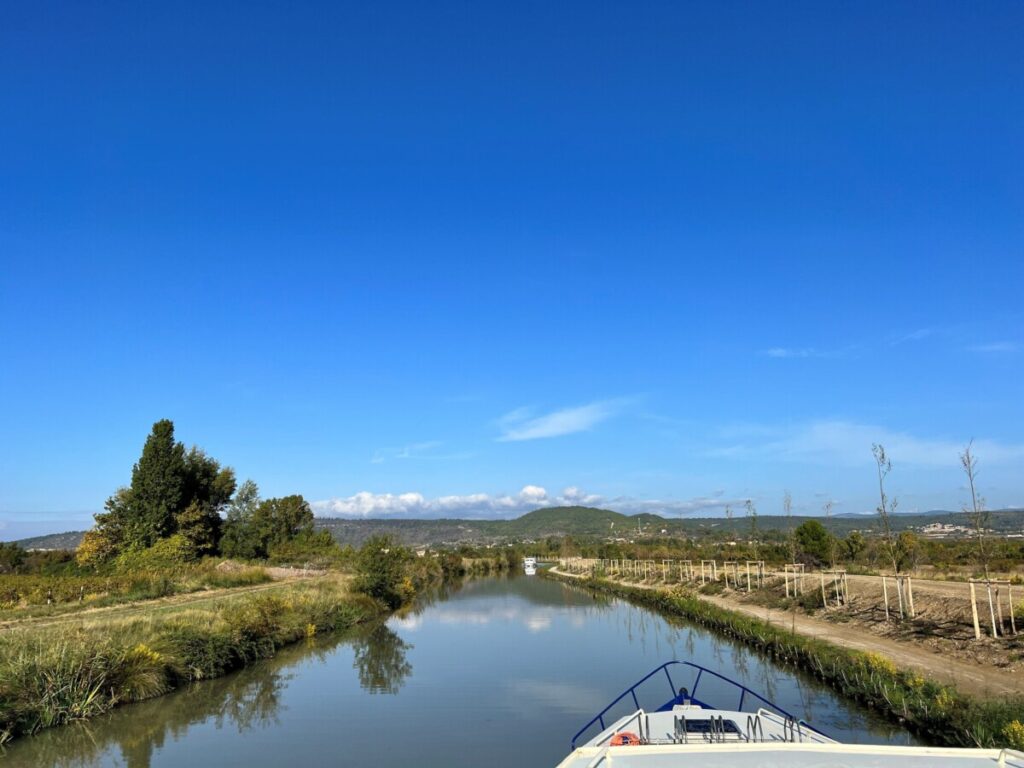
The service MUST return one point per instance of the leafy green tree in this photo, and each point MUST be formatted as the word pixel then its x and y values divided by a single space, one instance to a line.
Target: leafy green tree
pixel 11 557
pixel 205 481
pixel 200 526
pixel 814 541
pixel 854 544
pixel 158 487
pixel 277 521
pixel 96 548
pixel 171 491
pixel 906 551
pixel 380 570
pixel 240 539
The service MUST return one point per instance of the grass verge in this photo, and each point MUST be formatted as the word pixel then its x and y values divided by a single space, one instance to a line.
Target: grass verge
pixel 49 676
pixel 34 595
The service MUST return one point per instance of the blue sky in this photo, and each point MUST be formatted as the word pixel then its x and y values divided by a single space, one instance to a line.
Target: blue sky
pixel 467 258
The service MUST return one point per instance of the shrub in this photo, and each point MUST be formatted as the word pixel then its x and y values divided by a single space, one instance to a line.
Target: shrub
pixel 171 553
pixel 380 571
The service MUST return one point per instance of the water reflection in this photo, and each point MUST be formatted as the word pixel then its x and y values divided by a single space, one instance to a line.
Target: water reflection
pixel 484 664
pixel 240 702
pixel 380 660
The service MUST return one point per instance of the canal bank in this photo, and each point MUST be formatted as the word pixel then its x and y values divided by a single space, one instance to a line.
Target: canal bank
pixel 499 671
pixel 942 714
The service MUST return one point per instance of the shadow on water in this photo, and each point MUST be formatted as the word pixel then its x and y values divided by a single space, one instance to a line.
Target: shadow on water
pixel 501 671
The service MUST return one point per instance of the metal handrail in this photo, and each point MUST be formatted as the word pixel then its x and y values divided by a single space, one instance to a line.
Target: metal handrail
pixel 792 728
pixel 639 724
pixel 682 694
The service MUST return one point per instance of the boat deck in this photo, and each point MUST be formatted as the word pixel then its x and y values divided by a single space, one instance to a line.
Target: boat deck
pixel 691 735
pixel 768 755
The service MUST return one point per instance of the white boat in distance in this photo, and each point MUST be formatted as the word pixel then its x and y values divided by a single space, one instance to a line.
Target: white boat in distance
pixel 686 732
pixel 530 566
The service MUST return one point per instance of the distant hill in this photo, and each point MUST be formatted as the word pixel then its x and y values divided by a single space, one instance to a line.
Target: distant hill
pixel 591 522
pixel 68 540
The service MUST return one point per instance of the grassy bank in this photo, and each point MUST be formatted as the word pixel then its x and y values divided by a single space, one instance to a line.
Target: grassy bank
pixel 937 712
pixel 49 676
pixel 23 595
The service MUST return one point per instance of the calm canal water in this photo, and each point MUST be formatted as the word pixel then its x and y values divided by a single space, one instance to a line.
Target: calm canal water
pixel 501 672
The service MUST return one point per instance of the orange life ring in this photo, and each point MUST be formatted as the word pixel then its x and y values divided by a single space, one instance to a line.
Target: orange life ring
pixel 625 739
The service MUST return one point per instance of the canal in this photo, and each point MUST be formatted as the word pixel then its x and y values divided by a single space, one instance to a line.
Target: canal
pixel 498 672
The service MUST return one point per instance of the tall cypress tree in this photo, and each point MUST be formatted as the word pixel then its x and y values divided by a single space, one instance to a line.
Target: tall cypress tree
pixel 158 485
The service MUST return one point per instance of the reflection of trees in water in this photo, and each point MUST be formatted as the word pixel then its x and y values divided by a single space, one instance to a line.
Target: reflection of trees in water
pixel 246 699
pixel 250 698
pixel 379 658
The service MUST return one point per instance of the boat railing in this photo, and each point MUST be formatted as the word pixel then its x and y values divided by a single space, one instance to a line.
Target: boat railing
pixel 1014 756
pixel 640 718
pixel 792 728
pixel 681 695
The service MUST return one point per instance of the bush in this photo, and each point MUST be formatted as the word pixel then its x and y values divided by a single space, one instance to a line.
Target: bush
pixel 380 571
pixel 171 553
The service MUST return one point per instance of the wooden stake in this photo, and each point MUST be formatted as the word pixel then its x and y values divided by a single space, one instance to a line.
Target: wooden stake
pixel 824 600
pixel 991 610
pixel 910 597
pixel 999 612
pixel 885 597
pixel 974 613
pixel 1009 597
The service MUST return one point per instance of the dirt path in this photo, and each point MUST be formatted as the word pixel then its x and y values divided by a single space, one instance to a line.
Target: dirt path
pixel 159 604
pixel 967 677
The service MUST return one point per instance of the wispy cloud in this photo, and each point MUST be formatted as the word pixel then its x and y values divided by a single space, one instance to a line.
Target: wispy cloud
pixel 785 353
pixel 919 335
pixel 522 424
pixel 711 505
pixel 427 450
pixel 995 347
pixel 849 443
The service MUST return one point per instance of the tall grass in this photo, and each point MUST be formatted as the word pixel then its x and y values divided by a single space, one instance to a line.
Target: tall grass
pixel 34 594
pixel 939 713
pixel 49 676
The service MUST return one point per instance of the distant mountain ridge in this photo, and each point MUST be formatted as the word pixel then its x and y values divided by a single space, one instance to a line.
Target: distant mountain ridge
pixel 586 522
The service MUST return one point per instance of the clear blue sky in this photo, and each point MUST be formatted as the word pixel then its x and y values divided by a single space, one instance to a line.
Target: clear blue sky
pixel 667 254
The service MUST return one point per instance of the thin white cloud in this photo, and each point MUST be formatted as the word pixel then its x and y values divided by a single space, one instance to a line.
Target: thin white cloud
pixel 712 505
pixel 848 443
pixel 521 424
pixel 791 353
pixel 424 450
pixel 995 347
pixel 919 335
pixel 784 352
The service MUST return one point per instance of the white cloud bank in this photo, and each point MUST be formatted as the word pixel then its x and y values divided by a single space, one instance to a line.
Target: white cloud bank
pixel 487 506
pixel 530 497
pixel 521 424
